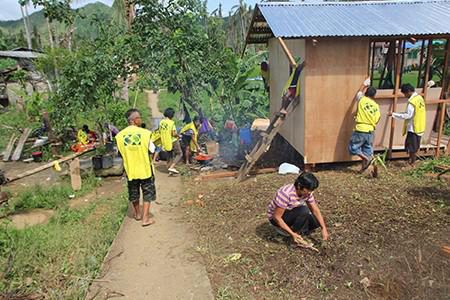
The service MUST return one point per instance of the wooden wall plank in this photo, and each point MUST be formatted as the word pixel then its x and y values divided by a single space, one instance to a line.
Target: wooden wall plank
pixel 336 67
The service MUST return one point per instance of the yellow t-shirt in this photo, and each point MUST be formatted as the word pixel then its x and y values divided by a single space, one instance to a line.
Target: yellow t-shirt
pixel 133 143
pixel 368 115
pixel 82 137
pixel 191 126
pixel 156 138
pixel 166 129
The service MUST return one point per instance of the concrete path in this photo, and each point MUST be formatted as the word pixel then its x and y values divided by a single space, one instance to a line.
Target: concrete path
pixel 155 262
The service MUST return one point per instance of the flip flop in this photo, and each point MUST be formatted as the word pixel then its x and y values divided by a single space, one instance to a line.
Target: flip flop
pixel 149 223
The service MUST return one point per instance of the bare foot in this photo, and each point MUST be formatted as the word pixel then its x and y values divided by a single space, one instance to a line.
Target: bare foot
pixel 137 217
pixel 148 222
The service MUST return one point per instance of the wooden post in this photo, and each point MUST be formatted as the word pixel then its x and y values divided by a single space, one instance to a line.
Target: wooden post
pixel 287 52
pixel 372 66
pixel 75 177
pixel 398 72
pixel 422 50
pixel 427 69
pixel 442 111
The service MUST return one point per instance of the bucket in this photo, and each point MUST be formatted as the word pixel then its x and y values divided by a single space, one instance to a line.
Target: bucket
pixel 97 162
pixel 107 161
pixel 37 156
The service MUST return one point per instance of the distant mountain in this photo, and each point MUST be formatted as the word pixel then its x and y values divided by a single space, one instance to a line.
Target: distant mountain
pixel 84 27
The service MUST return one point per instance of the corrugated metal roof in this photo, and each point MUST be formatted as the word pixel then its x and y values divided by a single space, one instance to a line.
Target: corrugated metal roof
pixel 20 54
pixel 346 19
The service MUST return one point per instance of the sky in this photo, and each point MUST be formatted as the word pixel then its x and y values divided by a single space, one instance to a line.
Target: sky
pixel 10 9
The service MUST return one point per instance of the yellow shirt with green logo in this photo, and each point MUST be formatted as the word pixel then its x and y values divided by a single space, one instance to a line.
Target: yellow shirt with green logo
pixel 368 115
pixel 166 129
pixel 191 126
pixel 420 115
pixel 133 143
pixel 156 138
pixel 82 137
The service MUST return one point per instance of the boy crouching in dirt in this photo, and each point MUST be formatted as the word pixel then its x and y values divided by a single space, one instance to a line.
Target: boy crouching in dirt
pixel 294 209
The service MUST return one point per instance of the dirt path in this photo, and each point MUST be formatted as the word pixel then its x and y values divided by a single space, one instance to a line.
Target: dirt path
pixel 157 262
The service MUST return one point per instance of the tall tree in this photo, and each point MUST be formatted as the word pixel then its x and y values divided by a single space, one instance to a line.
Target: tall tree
pixel 23 4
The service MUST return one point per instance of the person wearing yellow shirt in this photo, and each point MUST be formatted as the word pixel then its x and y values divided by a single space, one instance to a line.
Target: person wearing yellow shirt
pixel 415 121
pixel 189 137
pixel 169 140
pixel 366 119
pixel 134 144
pixel 156 139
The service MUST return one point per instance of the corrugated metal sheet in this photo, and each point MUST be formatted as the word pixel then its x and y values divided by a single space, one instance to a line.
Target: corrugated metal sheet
pixel 20 54
pixel 374 18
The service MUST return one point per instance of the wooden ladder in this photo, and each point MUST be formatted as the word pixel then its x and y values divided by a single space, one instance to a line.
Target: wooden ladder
pixel 263 145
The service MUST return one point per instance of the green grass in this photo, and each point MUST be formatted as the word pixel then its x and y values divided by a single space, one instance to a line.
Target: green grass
pixel 429 166
pixel 167 100
pixel 53 197
pixel 15 119
pixel 410 78
pixel 58 260
pixel 7 63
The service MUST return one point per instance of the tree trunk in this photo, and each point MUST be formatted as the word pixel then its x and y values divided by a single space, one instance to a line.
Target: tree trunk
pixel 27 31
pixel 50 34
pixel 27 16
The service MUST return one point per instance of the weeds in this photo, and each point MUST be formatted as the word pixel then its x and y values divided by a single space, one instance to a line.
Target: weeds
pixel 59 260
pixel 429 166
pixel 49 198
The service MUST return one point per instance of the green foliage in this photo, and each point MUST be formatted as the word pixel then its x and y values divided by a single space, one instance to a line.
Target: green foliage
pixel 35 105
pixel 86 29
pixel 51 198
pixel 59 259
pixel 12 119
pixel 89 81
pixel 429 166
pixel 167 100
pixel 7 63
pixel 181 45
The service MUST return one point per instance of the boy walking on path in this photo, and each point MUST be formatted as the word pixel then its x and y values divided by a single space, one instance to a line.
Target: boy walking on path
pixel 169 140
pixel 367 117
pixel 415 121
pixel 134 144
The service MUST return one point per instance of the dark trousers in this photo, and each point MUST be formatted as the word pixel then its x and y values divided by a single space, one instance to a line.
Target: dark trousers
pixel 299 219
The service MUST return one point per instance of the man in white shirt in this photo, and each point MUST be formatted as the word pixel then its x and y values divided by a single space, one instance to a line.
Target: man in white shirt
pixel 415 121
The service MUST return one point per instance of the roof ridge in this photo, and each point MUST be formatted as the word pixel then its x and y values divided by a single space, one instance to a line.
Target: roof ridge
pixel 348 3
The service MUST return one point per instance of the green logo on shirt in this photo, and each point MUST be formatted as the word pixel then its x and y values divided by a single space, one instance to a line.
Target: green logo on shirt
pixel 132 139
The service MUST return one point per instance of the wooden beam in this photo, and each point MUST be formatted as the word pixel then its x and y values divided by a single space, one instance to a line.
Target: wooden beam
pixel 9 147
pixel 287 52
pixel 427 69
pixel 441 101
pixel 372 66
pixel 398 72
pixel 47 166
pixel 422 51
pixel 18 152
pixel 442 106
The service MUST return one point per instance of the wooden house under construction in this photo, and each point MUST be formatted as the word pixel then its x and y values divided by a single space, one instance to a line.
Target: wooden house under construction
pixel 343 43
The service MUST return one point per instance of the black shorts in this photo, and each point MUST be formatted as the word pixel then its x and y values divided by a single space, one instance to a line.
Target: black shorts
pixel 412 142
pixel 186 139
pixel 147 186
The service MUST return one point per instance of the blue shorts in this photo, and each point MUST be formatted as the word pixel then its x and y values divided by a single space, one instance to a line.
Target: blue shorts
pixel 361 143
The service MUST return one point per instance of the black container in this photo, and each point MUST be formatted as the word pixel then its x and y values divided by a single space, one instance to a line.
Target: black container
pixel 107 161
pixel 97 162
pixel 109 146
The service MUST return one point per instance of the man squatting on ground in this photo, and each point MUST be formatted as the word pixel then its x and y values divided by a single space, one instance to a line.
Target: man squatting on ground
pixel 295 210
pixel 366 119
pixel 134 144
pixel 169 140
pixel 415 121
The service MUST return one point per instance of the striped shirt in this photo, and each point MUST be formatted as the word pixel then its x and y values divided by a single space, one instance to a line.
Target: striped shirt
pixel 287 198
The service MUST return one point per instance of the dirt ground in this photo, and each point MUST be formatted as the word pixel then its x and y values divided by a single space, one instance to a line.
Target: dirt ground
pixel 386 236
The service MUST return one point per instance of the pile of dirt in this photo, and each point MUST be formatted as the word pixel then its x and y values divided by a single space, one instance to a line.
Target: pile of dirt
pixel 386 239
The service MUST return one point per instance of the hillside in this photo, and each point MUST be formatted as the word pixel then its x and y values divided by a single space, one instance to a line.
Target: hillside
pixel 84 27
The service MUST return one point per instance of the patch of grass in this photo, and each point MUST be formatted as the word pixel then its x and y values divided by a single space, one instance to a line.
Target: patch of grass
pixel 59 260
pixel 167 100
pixel 11 120
pixel 50 197
pixel 429 166
pixel 141 100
